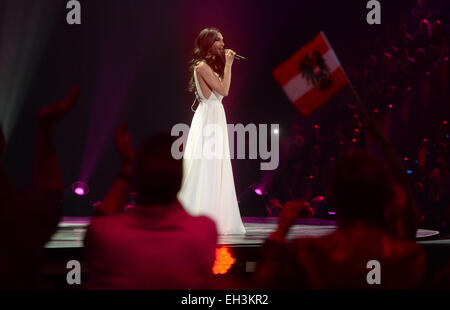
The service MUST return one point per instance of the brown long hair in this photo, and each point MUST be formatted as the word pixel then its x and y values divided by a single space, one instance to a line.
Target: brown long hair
pixel 203 43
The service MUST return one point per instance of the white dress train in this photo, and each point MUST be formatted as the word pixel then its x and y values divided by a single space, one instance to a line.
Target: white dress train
pixel 208 184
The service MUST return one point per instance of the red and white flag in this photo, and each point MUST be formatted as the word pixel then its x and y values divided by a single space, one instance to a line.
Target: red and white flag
pixel 311 76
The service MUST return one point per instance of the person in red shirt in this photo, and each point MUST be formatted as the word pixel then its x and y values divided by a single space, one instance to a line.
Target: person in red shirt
pixel 156 244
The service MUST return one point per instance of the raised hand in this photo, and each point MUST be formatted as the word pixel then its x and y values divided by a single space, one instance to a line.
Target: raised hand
pixel 292 210
pixel 117 196
pixel 49 115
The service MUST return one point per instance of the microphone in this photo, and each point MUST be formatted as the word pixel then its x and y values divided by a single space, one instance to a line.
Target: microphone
pixel 239 57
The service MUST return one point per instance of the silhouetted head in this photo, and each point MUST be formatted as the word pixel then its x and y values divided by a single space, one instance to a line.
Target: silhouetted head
pixel 387 58
pixel 158 174
pixel 274 207
pixel 418 188
pixel 424 25
pixel 437 27
pixel 420 55
pixel 441 165
pixel 361 188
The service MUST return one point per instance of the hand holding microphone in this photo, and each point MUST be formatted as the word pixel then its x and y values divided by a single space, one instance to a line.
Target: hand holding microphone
pixel 230 55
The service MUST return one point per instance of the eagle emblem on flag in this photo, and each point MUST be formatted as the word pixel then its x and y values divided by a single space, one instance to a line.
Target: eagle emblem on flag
pixel 312 75
pixel 315 71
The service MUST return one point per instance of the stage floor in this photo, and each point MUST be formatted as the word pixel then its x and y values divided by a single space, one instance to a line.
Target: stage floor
pixel 71 231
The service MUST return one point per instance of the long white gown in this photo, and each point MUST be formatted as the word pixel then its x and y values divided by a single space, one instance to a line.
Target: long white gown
pixel 208 184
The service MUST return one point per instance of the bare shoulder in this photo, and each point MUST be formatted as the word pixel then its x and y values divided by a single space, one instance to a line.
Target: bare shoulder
pixel 203 68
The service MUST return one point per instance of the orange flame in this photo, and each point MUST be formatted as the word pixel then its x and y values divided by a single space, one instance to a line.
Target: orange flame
pixel 223 262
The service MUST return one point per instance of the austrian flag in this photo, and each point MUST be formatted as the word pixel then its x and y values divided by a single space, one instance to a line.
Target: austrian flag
pixel 312 76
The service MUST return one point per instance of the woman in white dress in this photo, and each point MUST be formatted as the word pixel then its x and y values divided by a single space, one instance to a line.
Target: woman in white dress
pixel 208 184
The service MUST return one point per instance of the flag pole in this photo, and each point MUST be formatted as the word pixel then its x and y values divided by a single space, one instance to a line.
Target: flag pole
pixel 355 93
pixel 359 101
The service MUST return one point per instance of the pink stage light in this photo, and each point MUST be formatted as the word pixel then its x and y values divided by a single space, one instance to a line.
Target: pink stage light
pixel 80 188
pixel 258 191
pixel 79 191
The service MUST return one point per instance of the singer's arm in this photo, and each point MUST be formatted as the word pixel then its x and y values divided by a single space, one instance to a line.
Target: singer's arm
pixel 222 87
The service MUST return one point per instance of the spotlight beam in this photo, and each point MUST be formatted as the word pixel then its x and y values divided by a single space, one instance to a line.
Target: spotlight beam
pixel 24 29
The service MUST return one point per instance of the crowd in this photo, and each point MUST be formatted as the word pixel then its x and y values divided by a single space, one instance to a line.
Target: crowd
pixel 407 84
pixel 404 85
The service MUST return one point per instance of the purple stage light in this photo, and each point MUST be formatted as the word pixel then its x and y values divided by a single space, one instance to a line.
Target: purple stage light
pixel 79 191
pixel 258 191
pixel 80 188
pixel 331 213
